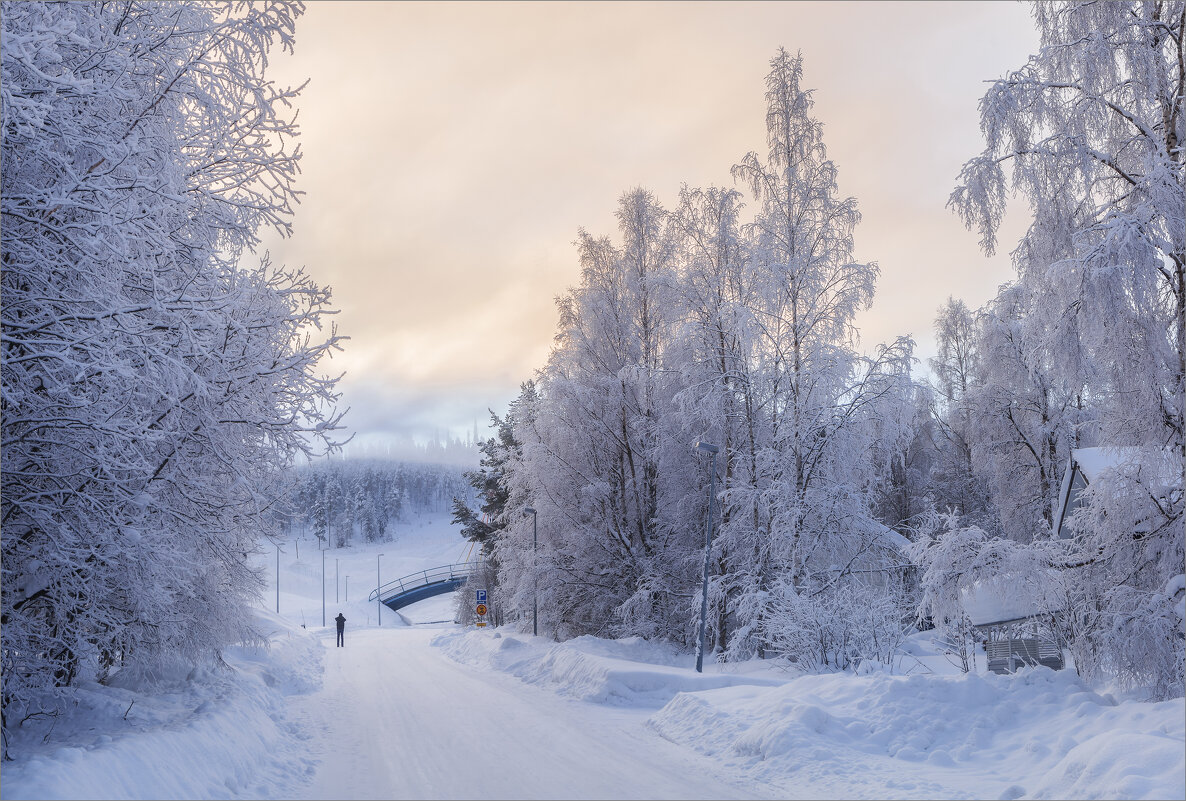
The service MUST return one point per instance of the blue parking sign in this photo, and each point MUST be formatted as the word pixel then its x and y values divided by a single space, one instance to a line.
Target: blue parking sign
pixel 481 596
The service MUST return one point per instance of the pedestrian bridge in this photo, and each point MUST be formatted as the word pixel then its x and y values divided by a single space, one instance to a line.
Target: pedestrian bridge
pixel 425 584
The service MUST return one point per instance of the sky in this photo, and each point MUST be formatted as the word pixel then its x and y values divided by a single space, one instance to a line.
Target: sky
pixel 453 150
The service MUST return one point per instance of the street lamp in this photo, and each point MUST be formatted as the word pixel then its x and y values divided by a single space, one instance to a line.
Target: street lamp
pixel 379 587
pixel 323 589
pixel 534 577
pixel 712 475
pixel 277 577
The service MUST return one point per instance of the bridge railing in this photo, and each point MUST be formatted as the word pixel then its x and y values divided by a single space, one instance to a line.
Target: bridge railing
pixel 422 578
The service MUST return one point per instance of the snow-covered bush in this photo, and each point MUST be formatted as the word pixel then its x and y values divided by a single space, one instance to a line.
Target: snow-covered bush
pixel 1134 638
pixel 837 628
pixel 971 578
pixel 944 552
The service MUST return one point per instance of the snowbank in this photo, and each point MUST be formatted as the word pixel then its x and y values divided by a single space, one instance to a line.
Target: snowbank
pixel 629 672
pixel 208 732
pixel 1038 734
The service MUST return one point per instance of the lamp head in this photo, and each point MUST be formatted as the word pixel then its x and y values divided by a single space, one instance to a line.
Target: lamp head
pixel 528 511
pixel 706 447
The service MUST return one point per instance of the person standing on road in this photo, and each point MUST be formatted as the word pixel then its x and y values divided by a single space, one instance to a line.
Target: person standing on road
pixel 341 621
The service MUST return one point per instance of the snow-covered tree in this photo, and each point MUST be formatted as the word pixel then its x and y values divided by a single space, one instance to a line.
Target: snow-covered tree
pixel 1023 417
pixel 1090 131
pixel 902 451
pixel 715 351
pixel 957 370
pixel 592 457
pixel 700 326
pixel 814 387
pixel 489 481
pixel 156 381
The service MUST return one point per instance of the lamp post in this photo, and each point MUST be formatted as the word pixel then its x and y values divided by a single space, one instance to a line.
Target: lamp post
pixel 534 579
pixel 712 476
pixel 277 577
pixel 323 589
pixel 379 587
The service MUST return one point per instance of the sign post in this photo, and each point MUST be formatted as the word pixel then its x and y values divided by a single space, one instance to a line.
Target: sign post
pixel 480 608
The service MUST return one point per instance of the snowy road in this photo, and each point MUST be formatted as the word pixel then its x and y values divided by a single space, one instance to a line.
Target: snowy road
pixel 396 718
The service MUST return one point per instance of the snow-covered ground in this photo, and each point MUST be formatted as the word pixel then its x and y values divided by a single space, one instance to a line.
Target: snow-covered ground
pixel 421 708
pixel 1039 734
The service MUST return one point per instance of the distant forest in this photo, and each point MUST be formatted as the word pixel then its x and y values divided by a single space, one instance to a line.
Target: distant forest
pixel 355 500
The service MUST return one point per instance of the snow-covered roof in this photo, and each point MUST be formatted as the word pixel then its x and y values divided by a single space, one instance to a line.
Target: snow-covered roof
pixel 1152 462
pixel 1011 597
pixel 1159 469
pixel 884 538
pixel 890 538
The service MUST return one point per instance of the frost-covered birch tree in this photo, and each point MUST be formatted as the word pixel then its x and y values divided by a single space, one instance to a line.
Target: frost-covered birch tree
pixel 717 295
pixel 1024 416
pixel 957 369
pixel 812 510
pixel 1090 131
pixel 156 381
pixel 700 325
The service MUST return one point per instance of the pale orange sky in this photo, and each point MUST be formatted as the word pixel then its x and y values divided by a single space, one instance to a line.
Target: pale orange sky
pixel 451 151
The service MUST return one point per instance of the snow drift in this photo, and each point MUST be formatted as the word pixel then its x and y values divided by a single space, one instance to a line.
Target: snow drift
pixel 1037 734
pixel 627 672
pixel 201 732
pixel 1041 731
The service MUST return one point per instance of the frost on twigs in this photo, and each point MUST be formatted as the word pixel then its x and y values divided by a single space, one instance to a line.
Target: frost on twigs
pixel 1088 346
pixel 710 322
pixel 157 377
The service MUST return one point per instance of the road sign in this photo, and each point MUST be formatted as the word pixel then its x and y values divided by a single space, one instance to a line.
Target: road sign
pixel 481 599
pixel 481 610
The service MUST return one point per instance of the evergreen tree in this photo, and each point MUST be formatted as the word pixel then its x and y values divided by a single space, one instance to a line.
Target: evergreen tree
pixel 489 483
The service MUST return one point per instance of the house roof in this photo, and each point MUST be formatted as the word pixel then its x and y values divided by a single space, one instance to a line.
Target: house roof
pixel 1012 596
pixel 1158 468
pixel 888 537
pixel 1156 463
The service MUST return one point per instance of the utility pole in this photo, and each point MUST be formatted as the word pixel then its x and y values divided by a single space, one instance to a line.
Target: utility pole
pixel 712 475
pixel 379 587
pixel 534 567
